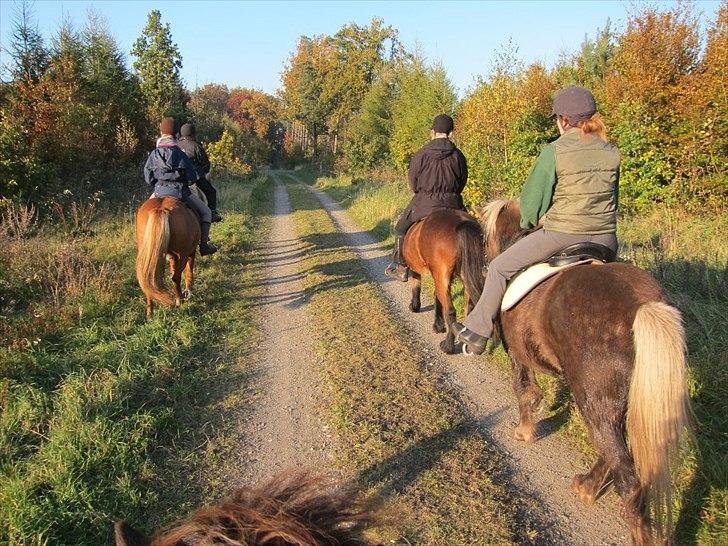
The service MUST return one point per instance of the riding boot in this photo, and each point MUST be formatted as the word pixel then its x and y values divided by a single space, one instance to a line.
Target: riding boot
pixel 216 216
pixel 472 342
pixel 397 269
pixel 206 247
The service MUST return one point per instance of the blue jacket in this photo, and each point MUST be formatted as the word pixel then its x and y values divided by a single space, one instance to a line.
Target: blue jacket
pixel 168 170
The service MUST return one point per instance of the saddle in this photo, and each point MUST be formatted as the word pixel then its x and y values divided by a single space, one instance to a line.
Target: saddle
pixel 571 256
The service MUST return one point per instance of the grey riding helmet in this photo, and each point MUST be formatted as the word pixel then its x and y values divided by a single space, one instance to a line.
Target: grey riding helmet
pixel 575 103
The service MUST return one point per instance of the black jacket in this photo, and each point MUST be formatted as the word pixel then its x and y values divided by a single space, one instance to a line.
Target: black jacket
pixel 197 155
pixel 437 175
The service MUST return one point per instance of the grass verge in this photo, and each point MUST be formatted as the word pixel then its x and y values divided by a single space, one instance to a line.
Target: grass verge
pixel 105 415
pixel 401 429
pixel 688 255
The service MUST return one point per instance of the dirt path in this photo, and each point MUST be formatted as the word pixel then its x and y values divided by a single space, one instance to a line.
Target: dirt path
pixel 285 431
pixel 542 470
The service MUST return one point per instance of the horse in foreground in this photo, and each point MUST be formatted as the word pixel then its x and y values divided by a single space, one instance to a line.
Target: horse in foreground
pixel 446 243
pixel 165 229
pixel 611 333
pixel 294 509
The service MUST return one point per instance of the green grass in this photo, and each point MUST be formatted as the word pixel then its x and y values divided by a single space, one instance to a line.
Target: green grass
pixel 688 254
pixel 105 415
pixel 401 430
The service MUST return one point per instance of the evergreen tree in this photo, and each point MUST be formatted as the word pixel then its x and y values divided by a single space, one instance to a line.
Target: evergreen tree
pixel 27 50
pixel 158 64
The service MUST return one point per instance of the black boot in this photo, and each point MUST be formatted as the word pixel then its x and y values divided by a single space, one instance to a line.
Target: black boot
pixel 206 247
pixel 472 342
pixel 215 216
pixel 397 269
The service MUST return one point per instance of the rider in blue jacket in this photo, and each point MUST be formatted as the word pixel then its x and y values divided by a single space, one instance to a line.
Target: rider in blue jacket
pixel 169 171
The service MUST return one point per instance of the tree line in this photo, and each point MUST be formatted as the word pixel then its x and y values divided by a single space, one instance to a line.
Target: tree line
pixel 75 119
pixel 358 101
pixel 660 84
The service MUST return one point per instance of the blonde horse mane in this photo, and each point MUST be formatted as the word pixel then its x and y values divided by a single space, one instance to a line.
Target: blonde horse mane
pixel 490 212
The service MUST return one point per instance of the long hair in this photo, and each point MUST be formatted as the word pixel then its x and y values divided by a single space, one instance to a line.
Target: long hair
pixel 593 126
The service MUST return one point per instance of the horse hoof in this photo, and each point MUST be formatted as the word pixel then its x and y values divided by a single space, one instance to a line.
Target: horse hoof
pixel 415 308
pixel 524 434
pixel 585 494
pixel 439 328
pixel 447 346
pixel 186 295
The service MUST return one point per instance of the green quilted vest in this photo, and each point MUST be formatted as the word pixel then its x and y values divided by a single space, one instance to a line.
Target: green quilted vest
pixel 585 195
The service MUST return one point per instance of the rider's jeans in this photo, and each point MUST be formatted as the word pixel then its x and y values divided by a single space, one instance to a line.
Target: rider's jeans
pixel 534 248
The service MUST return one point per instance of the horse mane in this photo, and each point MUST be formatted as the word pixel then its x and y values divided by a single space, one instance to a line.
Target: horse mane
pixel 294 508
pixel 500 235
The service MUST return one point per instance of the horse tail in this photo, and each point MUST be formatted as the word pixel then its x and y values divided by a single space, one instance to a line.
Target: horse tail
pixel 151 257
pixel 471 257
pixel 658 410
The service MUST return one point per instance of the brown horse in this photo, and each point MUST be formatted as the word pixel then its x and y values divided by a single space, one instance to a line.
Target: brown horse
pixel 165 227
pixel 446 243
pixel 611 333
pixel 292 509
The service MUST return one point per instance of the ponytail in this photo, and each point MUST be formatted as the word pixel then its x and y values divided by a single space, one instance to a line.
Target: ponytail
pixel 593 126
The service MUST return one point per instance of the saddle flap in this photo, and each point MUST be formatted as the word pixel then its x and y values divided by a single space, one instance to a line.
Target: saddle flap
pixel 530 278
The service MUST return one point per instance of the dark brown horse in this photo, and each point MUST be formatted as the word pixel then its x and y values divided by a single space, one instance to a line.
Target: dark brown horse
pixel 611 333
pixel 290 510
pixel 165 228
pixel 446 243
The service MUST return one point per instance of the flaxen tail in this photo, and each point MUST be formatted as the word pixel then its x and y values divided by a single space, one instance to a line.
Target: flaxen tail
pixel 471 257
pixel 658 411
pixel 151 257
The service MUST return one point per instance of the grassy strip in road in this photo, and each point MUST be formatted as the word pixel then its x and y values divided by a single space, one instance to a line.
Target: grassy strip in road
pixel 105 415
pixel 688 255
pixel 401 428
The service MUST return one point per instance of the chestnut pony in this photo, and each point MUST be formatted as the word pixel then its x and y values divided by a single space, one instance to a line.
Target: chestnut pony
pixel 611 333
pixel 446 243
pixel 293 509
pixel 165 229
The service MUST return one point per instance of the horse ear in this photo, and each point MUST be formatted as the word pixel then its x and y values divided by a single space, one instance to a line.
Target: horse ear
pixel 480 210
pixel 126 535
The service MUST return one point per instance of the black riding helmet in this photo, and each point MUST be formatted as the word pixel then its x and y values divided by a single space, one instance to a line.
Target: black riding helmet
pixel 574 103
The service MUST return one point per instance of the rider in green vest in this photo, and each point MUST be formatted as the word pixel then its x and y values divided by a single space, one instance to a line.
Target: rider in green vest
pixel 571 195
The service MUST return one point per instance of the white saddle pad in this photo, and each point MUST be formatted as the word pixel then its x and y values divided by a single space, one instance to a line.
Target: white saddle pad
pixel 529 279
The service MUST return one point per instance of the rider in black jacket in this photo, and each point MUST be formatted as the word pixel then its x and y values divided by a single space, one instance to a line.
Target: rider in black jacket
pixel 197 154
pixel 437 175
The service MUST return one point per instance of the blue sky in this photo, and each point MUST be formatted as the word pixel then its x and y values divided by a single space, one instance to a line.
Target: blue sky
pixel 247 43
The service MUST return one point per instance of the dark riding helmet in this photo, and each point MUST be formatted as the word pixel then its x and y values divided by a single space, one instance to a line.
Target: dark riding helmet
pixel 187 130
pixel 166 126
pixel 575 103
pixel 443 124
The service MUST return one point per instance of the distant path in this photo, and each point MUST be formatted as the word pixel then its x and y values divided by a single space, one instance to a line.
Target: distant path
pixel 542 470
pixel 285 431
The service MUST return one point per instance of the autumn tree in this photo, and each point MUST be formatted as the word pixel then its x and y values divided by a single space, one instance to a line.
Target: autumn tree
pixel 27 50
pixel 208 106
pixel 157 64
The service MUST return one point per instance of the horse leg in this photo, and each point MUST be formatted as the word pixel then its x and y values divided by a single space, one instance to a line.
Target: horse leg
pixel 605 423
pixel 176 267
pixel 439 325
pixel 189 277
pixel 150 307
pixel 529 396
pixel 588 486
pixel 442 292
pixel 416 288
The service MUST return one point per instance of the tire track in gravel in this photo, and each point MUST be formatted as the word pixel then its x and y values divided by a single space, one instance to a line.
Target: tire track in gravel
pixel 542 470
pixel 285 430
